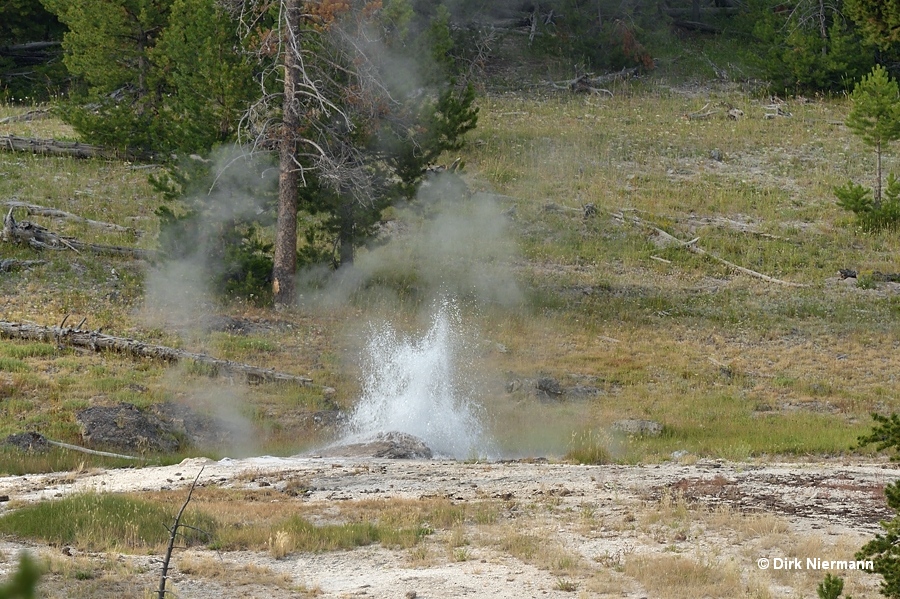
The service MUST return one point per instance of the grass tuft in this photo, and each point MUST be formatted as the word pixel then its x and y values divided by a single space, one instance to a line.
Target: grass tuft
pixel 102 522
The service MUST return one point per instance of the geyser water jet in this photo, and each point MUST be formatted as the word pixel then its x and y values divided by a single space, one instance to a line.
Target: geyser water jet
pixel 413 385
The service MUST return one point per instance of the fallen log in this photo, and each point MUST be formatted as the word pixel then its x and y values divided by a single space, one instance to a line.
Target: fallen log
pixel 35 210
pixel 703 113
pixel 10 264
pixel 97 341
pixel 43 239
pixel 105 454
pixel 696 26
pixel 31 115
pixel 13 143
pixel 669 240
pixel 590 84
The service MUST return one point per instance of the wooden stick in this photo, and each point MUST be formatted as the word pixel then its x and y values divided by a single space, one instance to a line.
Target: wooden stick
pixel 94 451
pixel 693 247
pixel 96 341
pixel 41 238
pixel 31 115
pixel 10 264
pixel 173 533
pixel 35 210
pixel 74 149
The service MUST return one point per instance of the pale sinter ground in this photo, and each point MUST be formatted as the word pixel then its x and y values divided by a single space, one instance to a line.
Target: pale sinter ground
pixel 668 530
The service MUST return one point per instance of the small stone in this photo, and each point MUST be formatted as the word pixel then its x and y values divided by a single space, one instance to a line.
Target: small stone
pixel 411 595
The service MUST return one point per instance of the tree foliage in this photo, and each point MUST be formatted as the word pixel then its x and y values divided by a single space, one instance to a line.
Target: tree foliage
pixel 22 584
pixel 605 34
pixel 376 105
pixel 155 75
pixel 34 75
pixel 879 20
pixel 384 108
pixel 807 45
pixel 831 587
pixel 884 549
pixel 875 115
pixel 875 118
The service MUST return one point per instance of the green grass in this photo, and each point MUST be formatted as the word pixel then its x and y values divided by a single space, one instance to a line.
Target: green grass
pixel 101 522
pixel 305 536
pixel 814 359
pixel 104 522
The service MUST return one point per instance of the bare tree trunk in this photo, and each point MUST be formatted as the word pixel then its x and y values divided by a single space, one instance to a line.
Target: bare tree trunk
pixel 345 235
pixel 289 178
pixel 878 175
pixel 823 30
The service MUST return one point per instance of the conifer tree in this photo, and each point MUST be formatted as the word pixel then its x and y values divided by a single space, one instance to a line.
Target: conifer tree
pixel 875 116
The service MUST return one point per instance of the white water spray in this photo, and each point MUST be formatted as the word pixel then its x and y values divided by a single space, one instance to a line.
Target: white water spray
pixel 412 386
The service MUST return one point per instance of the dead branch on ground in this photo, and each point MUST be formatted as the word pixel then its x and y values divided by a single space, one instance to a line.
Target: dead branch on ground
pixel 106 454
pixel 97 341
pixel 11 264
pixel 668 240
pixel 31 115
pixel 13 143
pixel 587 83
pixel 35 210
pixel 41 238
pixel 703 113
pixel 733 225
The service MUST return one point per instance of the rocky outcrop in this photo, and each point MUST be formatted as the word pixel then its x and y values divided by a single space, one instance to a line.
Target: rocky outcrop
pixel 391 445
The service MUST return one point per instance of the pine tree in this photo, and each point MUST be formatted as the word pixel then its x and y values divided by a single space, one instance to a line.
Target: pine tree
pixel 875 116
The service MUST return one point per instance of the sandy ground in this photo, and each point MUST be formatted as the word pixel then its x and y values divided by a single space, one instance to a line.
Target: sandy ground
pixel 602 515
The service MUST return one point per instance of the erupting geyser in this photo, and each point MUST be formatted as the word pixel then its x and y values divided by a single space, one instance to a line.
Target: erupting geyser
pixel 412 386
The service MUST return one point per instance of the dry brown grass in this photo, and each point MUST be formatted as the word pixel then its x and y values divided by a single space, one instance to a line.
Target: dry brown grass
pixel 536 547
pixel 219 567
pixel 680 577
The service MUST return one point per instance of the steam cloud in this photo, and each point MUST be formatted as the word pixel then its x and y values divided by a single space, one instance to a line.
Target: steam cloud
pixel 447 244
pixel 177 294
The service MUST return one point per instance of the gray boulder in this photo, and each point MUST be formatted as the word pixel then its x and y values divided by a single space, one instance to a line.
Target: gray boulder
pixel 124 426
pixel 391 445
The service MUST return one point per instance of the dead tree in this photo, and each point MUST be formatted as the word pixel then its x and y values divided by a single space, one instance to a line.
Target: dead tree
pixel 97 341
pixel 41 238
pixel 173 534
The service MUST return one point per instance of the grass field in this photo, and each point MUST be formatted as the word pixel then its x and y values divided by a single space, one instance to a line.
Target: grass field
pixel 731 365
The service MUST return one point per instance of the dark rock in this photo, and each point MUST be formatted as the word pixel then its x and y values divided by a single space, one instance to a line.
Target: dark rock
pixel 886 278
pixel 548 386
pixel 582 392
pixel 162 427
pixel 638 427
pixel 28 441
pixel 126 427
pixel 193 427
pixel 392 445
